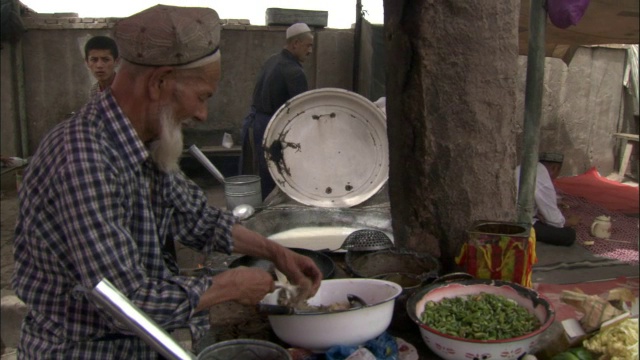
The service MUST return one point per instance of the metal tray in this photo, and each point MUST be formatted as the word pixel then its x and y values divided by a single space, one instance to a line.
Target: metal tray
pixel 328 148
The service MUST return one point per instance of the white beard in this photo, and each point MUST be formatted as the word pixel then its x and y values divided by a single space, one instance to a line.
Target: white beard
pixel 166 150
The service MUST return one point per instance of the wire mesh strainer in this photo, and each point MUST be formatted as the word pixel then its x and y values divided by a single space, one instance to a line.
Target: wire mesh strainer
pixel 366 240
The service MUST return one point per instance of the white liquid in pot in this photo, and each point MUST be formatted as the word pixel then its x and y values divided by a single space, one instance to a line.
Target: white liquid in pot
pixel 314 238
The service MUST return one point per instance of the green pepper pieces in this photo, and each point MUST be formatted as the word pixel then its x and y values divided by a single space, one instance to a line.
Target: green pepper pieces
pixel 480 317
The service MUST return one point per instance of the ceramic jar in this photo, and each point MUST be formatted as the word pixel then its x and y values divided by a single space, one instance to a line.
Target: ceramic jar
pixel 601 227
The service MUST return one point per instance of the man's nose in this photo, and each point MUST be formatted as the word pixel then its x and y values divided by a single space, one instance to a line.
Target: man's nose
pixel 201 114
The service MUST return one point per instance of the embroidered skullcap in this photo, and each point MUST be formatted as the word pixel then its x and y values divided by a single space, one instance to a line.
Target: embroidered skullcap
pixel 169 36
pixel 297 29
pixel 551 157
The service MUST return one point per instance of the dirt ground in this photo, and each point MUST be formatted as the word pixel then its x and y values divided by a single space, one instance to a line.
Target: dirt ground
pixel 8 214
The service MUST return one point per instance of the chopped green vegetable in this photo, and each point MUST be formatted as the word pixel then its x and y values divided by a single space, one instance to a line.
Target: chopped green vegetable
pixel 581 353
pixel 565 356
pixel 480 317
pixel 573 354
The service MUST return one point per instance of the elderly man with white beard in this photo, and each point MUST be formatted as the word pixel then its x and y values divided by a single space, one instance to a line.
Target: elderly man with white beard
pixel 104 193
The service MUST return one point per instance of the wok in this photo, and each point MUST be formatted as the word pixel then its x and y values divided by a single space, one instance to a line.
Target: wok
pixel 367 264
pixel 325 264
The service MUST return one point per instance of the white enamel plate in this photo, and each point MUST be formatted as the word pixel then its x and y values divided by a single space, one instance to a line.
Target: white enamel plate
pixel 328 148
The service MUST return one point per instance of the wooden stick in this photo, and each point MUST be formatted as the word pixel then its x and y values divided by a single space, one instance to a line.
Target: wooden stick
pixel 620 241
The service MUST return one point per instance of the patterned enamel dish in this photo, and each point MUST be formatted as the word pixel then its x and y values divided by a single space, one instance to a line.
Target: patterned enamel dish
pixel 453 347
pixel 328 148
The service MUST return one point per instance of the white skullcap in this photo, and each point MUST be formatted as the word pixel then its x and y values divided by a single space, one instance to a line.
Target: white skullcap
pixel 297 29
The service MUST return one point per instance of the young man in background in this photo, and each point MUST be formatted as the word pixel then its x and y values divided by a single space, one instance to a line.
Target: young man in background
pixel 101 57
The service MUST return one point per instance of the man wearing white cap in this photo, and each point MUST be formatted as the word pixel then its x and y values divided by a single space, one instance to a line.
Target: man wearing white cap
pixel 104 193
pixel 282 77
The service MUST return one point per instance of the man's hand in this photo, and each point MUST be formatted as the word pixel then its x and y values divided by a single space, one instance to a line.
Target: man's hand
pixel 300 270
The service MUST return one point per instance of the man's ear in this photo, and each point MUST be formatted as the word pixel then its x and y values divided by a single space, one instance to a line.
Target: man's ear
pixel 159 81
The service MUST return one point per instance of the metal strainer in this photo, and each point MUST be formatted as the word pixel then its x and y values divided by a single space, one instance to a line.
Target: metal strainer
pixel 366 240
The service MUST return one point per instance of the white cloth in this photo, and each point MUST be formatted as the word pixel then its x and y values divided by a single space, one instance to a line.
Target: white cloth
pixel 546 199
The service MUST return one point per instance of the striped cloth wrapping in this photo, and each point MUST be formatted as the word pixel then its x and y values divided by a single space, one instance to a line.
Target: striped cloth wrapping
pixel 500 258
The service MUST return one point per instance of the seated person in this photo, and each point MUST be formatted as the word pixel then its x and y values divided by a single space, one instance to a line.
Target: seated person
pixel 548 220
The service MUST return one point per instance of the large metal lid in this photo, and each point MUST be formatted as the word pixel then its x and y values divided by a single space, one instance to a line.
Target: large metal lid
pixel 328 148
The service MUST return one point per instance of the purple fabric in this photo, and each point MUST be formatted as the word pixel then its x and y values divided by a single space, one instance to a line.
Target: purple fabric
pixel 564 13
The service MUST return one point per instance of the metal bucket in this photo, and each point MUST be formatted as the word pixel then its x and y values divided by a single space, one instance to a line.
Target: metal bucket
pixel 499 250
pixel 244 349
pixel 243 189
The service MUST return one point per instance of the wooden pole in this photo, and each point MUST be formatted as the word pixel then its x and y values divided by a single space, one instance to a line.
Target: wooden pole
pixel 357 35
pixel 18 77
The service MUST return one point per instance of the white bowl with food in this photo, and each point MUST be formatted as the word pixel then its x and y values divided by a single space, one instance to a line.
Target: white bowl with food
pixel 480 319
pixel 329 320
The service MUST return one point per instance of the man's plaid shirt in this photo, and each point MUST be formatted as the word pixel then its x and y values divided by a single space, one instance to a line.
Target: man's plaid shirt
pixel 94 206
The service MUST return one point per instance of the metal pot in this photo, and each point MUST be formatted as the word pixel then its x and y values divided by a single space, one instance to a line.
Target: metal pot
pixel 238 190
pixel 245 349
pixel 243 190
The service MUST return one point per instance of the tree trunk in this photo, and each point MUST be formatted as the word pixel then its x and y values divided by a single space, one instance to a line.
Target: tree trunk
pixel 451 84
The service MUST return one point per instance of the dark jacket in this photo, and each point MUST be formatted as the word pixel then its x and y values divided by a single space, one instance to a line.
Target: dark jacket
pixel 282 78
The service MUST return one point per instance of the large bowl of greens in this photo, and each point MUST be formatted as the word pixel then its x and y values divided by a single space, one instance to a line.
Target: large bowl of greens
pixel 480 319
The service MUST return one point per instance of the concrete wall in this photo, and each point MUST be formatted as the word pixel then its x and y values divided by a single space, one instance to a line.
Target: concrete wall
pixel 57 81
pixel 582 103
pixel 9 130
pixel 244 50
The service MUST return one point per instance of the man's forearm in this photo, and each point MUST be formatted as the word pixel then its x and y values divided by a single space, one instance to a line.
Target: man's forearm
pixel 251 243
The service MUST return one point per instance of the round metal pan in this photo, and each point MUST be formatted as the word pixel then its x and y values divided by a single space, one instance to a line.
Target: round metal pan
pixel 344 136
pixel 369 264
pixel 324 262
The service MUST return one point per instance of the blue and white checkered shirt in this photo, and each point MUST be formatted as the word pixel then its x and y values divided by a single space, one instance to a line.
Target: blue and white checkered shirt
pixel 94 206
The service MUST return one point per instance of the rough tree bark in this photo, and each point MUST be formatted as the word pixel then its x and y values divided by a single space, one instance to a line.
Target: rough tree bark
pixel 451 84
